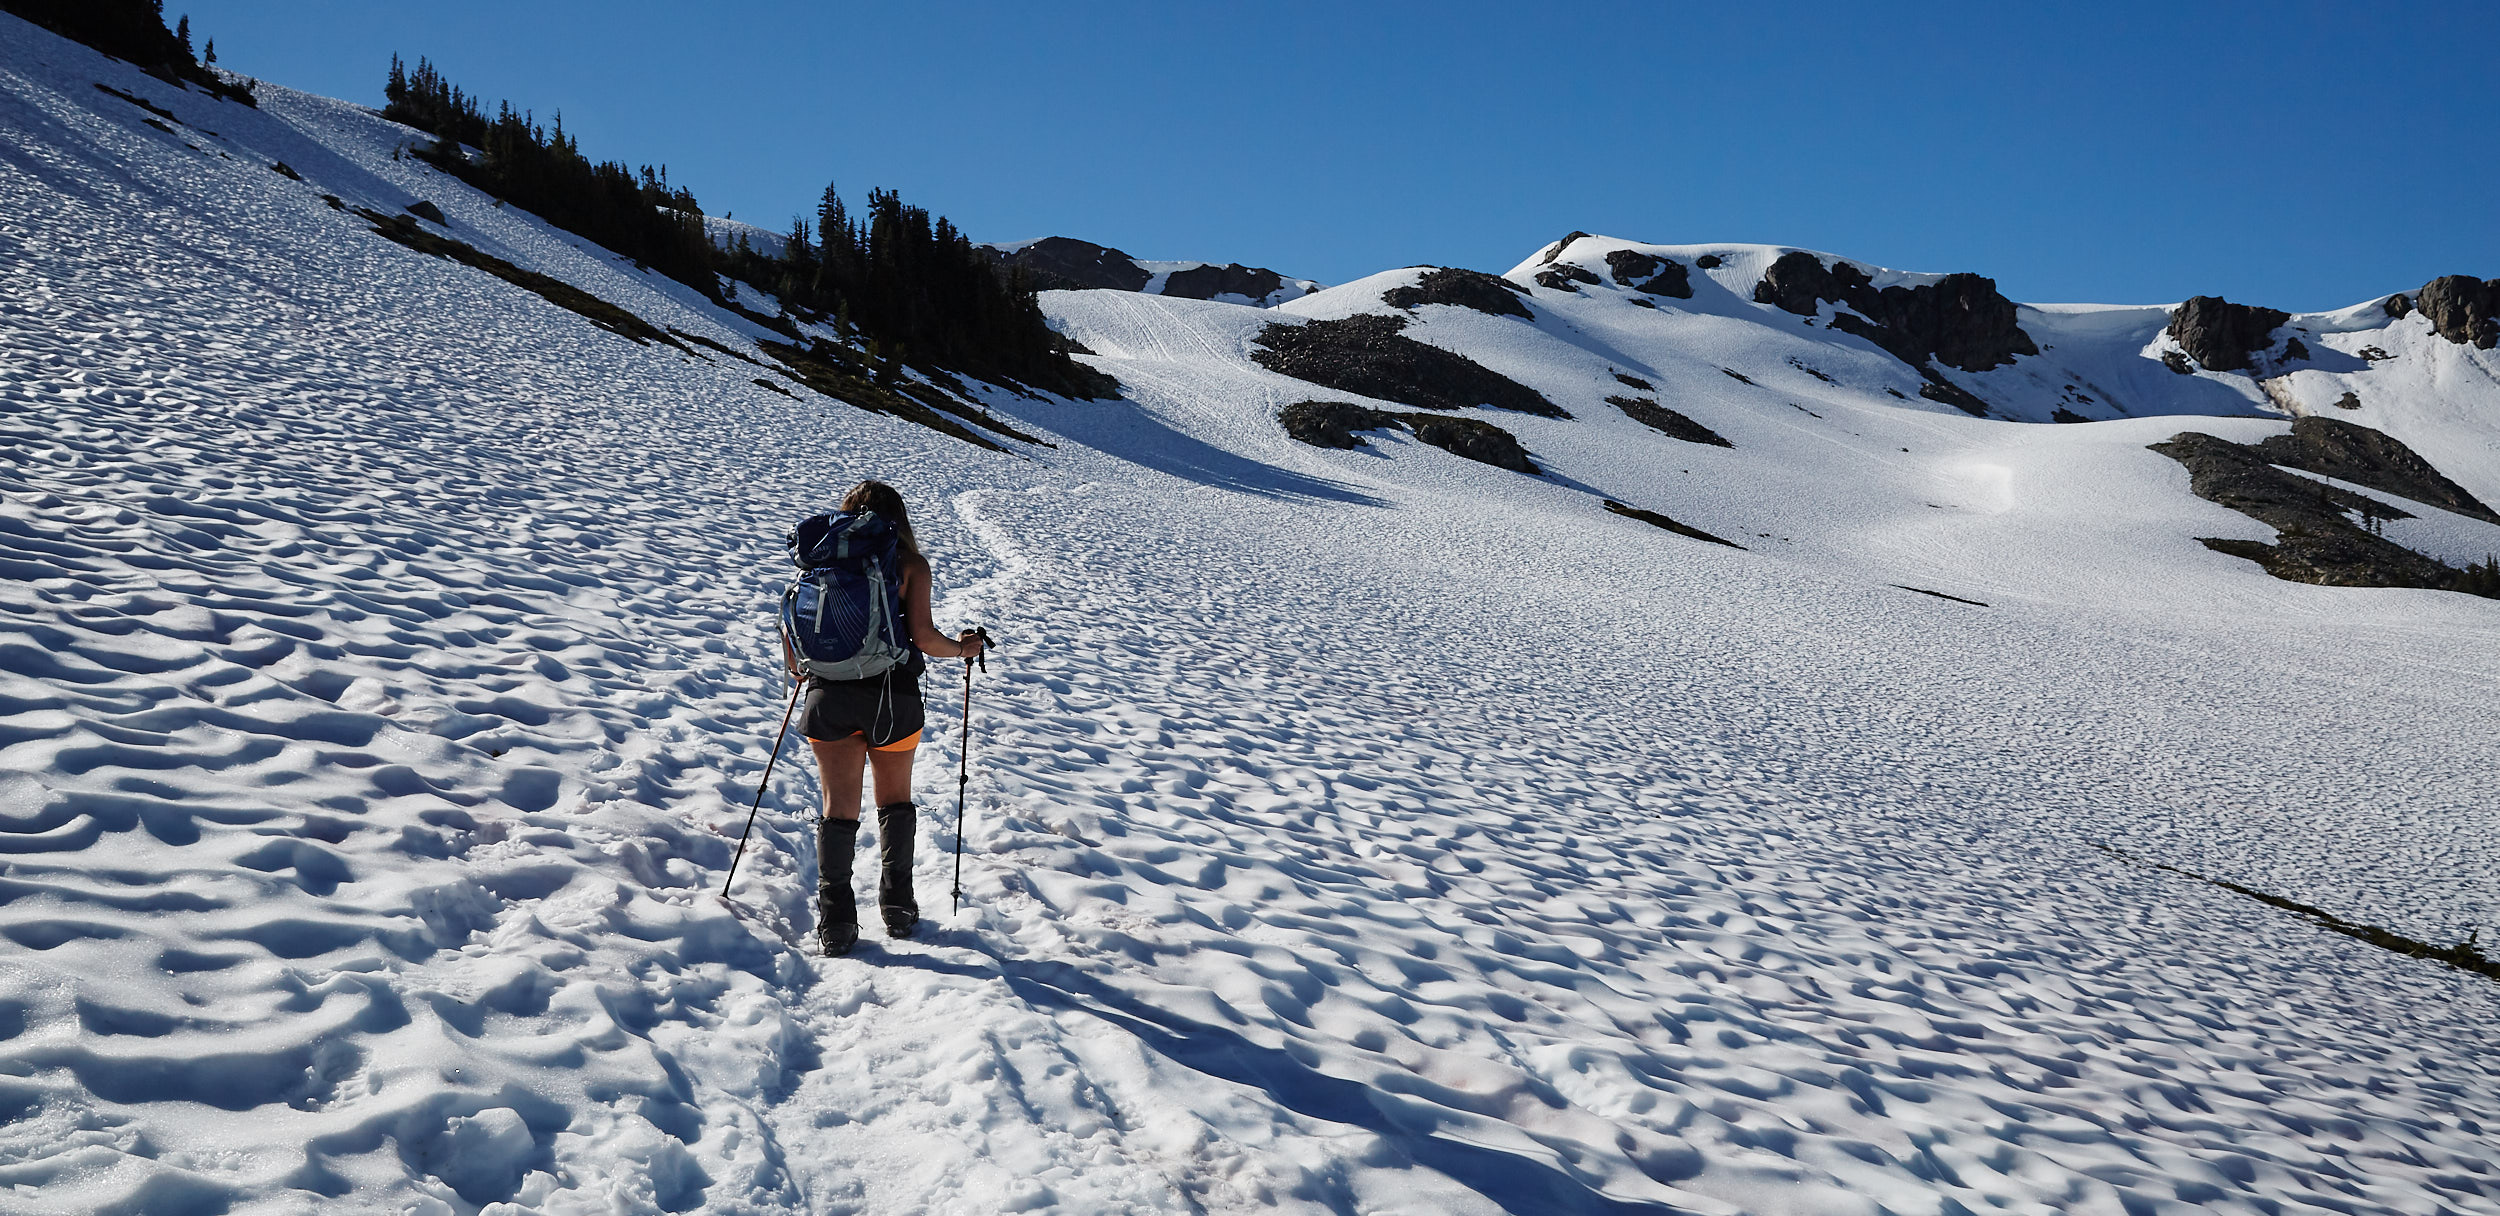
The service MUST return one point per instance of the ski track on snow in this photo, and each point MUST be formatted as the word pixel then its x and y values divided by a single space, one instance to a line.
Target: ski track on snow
pixel 385 673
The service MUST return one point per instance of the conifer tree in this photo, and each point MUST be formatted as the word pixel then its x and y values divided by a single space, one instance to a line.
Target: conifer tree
pixel 911 287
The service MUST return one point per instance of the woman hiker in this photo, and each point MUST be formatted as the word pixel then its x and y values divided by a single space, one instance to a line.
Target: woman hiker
pixel 873 723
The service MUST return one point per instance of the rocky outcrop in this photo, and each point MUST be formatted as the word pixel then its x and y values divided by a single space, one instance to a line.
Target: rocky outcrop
pixel 1066 264
pixel 2463 309
pixel 1960 320
pixel 1656 520
pixel 2331 447
pixel 1649 274
pixel 1334 424
pixel 2316 540
pixel 2397 307
pixel 1368 356
pixel 1561 275
pixel 1667 422
pixel 2221 335
pixel 1474 289
pixel 1472 438
pixel 1203 282
pixel 1559 248
pixel 1945 392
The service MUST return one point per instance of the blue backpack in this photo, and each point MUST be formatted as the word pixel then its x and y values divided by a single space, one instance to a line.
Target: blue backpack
pixel 844 614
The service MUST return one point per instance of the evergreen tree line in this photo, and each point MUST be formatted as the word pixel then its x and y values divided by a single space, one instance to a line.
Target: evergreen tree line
pixel 906 285
pixel 543 171
pixel 909 285
pixel 133 31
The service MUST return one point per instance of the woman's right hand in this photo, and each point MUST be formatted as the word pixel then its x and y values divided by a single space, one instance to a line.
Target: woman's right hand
pixel 970 643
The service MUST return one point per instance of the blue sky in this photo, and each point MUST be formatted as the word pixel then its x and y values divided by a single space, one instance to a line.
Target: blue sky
pixel 2303 155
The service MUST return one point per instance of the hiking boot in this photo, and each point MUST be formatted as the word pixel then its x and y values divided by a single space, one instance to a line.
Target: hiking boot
pixel 837 912
pixel 895 823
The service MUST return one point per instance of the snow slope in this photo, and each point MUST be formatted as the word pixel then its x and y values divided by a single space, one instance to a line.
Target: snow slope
pixel 386 674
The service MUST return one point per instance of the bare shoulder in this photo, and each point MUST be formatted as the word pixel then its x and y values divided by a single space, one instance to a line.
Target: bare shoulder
pixel 915 567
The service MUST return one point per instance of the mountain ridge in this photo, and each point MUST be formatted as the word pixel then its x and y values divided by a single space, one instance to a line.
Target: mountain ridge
pixel 1065 263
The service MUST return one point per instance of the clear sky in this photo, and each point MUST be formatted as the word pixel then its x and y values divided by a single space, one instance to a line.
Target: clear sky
pixel 2300 154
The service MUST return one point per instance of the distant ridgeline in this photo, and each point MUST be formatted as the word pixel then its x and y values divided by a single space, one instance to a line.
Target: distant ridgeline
pixel 133 31
pixel 906 288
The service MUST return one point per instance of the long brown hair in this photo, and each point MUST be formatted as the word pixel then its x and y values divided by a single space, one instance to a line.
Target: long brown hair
pixel 881 498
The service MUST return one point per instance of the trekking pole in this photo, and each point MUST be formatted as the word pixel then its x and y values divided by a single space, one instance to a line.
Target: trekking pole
pixel 761 786
pixel 963 763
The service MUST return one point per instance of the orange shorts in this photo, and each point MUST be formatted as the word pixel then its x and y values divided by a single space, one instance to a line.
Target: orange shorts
pixel 904 744
pixel 883 710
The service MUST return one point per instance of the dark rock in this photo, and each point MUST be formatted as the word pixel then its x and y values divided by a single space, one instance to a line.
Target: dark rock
pixel 282 169
pixel 2066 415
pixel 1230 279
pixel 2178 363
pixel 2315 542
pixel 1628 265
pixel 2349 401
pixel 1560 247
pixel 2221 335
pixel 1656 520
pixel 1707 261
pixel 2331 447
pixel 1632 381
pixel 1333 424
pixel 1066 263
pixel 1476 440
pixel 1942 596
pixel 1465 288
pixel 1798 283
pixel 1960 320
pixel 1735 375
pixel 2461 308
pixel 427 211
pixel 1561 275
pixel 1368 356
pixel 2295 351
pixel 1649 275
pixel 2397 307
pixel 1667 422
pixel 1803 366
pixel 1946 392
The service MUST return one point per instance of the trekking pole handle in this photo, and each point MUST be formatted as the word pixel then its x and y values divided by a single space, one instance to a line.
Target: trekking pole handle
pixel 982 658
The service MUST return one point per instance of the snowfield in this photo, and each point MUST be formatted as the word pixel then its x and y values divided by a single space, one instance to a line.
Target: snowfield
pixel 385 672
